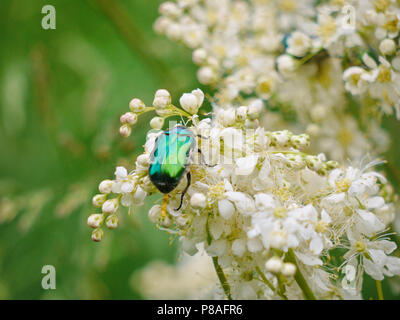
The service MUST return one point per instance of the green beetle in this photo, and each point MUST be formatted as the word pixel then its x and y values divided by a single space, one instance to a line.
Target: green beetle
pixel 169 160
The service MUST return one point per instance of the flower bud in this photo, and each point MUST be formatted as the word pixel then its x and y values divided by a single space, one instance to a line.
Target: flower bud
pixel 98 200
pixel 288 269
pixel 170 9
pixel 143 160
pixel 199 56
pixel 110 206
pixel 106 186
pixel 274 265
pixel 95 220
pixel 157 123
pixel 255 108
pixel 198 201
pixel 241 113
pixel 188 102
pixel 137 105
pixel 120 172
pixel 227 117
pixel 162 98
pixel 285 64
pixel 199 96
pixel 206 75
pixel 125 130
pixel 112 221
pixel 97 235
pixel 129 118
pixel 174 31
pixel 161 24
pixel 387 46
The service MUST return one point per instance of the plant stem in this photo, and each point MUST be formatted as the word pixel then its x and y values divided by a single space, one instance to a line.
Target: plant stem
pixel 218 269
pixel 301 281
pixel 379 289
pixel 222 278
pixel 269 284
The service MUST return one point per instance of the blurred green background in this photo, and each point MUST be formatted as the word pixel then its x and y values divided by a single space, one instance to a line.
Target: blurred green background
pixel 62 92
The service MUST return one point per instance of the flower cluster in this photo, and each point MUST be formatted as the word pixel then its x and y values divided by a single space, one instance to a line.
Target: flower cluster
pixel 193 277
pixel 309 60
pixel 264 209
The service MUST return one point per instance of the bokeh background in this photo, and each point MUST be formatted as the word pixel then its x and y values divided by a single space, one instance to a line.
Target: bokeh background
pixel 62 92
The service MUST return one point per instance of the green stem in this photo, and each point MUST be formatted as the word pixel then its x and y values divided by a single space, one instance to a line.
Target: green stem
pixel 269 284
pixel 218 269
pixel 379 289
pixel 222 278
pixel 301 281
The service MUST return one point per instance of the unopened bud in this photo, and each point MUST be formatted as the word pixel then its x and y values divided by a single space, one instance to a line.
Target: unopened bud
pixel 95 220
pixel 137 105
pixel 157 123
pixel 198 201
pixel 106 186
pixel 97 235
pixel 110 206
pixel 98 200
pixel 274 265
pixel 112 221
pixel 288 269
pixel 129 118
pixel 125 130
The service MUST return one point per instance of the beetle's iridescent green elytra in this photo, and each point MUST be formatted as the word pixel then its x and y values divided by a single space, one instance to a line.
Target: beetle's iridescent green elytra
pixel 170 157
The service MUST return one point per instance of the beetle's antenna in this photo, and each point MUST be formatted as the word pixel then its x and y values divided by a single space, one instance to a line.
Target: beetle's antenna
pixel 164 206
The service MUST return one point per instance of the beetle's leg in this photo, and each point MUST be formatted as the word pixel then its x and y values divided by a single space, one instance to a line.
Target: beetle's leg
pixel 164 206
pixel 186 188
pixel 203 161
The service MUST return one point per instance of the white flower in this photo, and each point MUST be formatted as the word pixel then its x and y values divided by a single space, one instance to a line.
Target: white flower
pixel 356 80
pixel 106 186
pixel 206 75
pixel 162 98
pixel 121 173
pixel 110 206
pixel 288 269
pixel 125 130
pixel 245 166
pixel 286 64
pixel 191 102
pixel 298 44
pixel 157 123
pixel 137 105
pixel 112 221
pixel 387 46
pixel 274 265
pixel 95 220
pixel 226 208
pixel 98 200
pixel 198 201
pixel 239 247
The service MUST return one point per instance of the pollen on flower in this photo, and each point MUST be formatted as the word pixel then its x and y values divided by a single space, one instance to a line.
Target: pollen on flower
pixel 216 191
pixel 321 226
pixel 280 212
pixel 359 246
pixel 343 185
